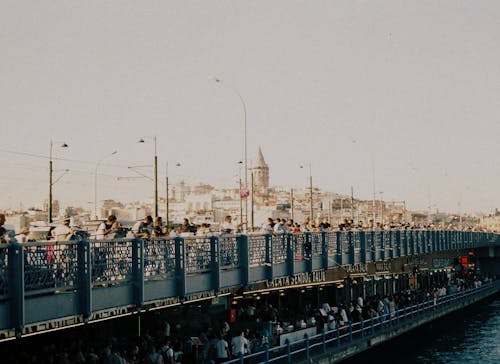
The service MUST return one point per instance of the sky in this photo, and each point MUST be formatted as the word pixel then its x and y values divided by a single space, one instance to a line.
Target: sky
pixel 397 97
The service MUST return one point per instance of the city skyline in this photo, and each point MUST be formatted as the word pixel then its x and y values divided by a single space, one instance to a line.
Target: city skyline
pixel 400 96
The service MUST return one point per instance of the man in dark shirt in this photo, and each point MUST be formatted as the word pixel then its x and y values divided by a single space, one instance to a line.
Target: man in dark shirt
pixel 324 225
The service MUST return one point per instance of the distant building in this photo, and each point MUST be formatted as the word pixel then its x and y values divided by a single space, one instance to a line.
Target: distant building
pixel 260 171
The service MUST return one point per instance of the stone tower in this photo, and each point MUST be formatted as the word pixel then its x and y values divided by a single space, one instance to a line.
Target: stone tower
pixel 260 171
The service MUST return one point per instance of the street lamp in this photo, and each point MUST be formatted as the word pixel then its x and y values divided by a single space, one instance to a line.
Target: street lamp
pixel 155 178
pixel 51 171
pixel 167 199
pixel 241 195
pixel 95 181
pixel 311 216
pixel 381 207
pixel 219 81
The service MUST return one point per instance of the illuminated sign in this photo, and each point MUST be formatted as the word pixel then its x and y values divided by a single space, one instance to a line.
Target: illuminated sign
pixel 298 279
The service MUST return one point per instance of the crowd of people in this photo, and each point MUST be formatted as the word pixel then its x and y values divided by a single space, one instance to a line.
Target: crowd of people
pixel 257 325
pixel 148 227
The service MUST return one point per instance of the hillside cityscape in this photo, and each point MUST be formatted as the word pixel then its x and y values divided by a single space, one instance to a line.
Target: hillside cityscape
pixel 205 204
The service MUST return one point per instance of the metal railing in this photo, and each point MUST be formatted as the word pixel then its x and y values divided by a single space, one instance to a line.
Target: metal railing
pixel 149 270
pixel 53 266
pixel 332 341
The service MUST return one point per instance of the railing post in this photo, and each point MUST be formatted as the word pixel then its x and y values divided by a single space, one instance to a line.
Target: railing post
pixel 290 254
pixel 288 351
pixel 308 252
pixel 382 245
pixel 215 263
pixel 339 258
pixel 16 286
pixel 84 278
pixel 350 331
pixel 372 327
pixel 244 259
pixel 308 357
pixel 269 257
pixel 180 267
pixel 267 353
pixel 362 247
pixel 323 339
pixel 372 247
pixel 138 271
pixel 392 244
pixel 362 327
pixel 324 250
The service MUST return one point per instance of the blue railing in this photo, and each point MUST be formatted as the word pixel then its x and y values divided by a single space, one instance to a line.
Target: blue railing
pixel 98 275
pixel 332 341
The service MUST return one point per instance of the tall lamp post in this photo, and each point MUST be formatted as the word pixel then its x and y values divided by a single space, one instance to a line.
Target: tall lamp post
pixel 311 215
pixel 382 205
pixel 245 160
pixel 241 196
pixel 51 172
pixel 95 181
pixel 167 196
pixel 155 171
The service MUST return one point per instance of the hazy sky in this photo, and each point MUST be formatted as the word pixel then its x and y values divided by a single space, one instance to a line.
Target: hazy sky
pixel 408 90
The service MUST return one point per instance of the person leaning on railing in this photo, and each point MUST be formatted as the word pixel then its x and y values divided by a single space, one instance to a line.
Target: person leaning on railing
pixel 143 229
pixel 106 227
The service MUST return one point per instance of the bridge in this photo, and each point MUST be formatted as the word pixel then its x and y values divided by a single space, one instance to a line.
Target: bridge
pixel 51 285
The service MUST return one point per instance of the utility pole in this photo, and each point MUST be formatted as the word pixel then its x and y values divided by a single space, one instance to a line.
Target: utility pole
pixel 252 210
pixel 352 203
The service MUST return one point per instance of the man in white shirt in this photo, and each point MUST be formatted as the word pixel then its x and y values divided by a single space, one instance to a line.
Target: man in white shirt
pixel 222 349
pixel 279 227
pixel 105 227
pixel 239 345
pixel 227 227
pixel 63 231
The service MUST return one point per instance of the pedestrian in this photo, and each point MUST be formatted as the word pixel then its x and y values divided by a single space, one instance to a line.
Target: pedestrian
pixel 222 350
pixel 239 345
pixel 105 228
pixel 228 227
pixel 143 229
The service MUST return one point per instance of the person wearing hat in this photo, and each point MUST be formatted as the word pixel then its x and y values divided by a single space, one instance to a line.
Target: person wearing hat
pixel 62 231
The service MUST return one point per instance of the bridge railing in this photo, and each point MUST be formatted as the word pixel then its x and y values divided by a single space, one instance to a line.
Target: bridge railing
pixel 188 265
pixel 331 341
pixel 54 266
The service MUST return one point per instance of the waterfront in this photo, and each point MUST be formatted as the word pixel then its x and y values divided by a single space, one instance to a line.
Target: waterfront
pixel 471 335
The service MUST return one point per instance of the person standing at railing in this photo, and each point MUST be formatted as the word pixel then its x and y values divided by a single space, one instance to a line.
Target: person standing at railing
pixel 239 345
pixel 105 227
pixel 324 225
pixel 267 227
pixel 279 227
pixel 223 353
pixel 228 227
pixel 62 231
pixel 143 229
pixel 158 228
